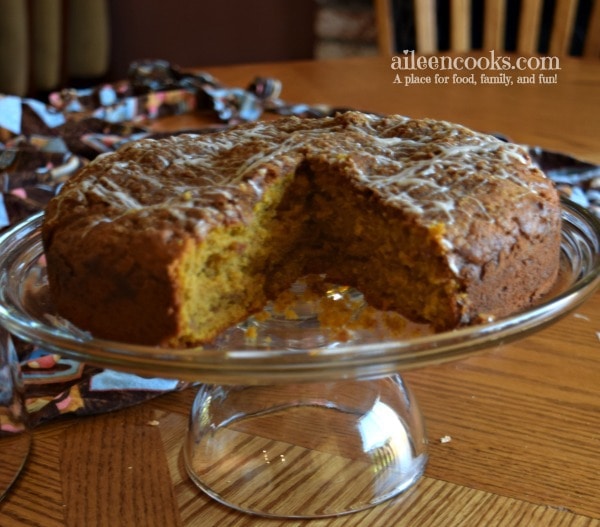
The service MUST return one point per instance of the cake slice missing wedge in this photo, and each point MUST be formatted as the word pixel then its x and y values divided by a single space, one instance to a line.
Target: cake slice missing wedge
pixel 169 242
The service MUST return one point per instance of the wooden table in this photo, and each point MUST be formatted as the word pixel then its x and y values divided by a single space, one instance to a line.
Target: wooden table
pixel 521 422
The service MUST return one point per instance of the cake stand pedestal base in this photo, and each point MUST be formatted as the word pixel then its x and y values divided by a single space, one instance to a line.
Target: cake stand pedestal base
pixel 306 450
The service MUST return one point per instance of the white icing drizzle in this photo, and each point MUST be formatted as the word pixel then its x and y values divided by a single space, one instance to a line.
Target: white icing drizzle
pixel 109 191
pixel 429 168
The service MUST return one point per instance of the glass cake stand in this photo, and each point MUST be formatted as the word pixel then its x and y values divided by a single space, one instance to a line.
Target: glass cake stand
pixel 301 413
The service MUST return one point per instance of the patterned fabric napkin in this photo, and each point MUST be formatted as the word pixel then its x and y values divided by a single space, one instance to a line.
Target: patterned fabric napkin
pixel 44 143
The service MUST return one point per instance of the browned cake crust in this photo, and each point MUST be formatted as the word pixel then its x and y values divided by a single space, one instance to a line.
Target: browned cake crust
pixel 168 242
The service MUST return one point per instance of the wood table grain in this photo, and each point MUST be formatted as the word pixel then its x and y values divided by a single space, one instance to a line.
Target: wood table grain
pixel 514 432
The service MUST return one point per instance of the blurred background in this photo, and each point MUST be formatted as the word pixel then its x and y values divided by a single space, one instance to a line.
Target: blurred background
pixel 46 44
pixel 49 44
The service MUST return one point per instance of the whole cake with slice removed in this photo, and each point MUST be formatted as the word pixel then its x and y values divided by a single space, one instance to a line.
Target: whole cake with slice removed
pixel 168 242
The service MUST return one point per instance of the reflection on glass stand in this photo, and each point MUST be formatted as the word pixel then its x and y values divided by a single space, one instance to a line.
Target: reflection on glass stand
pixel 306 450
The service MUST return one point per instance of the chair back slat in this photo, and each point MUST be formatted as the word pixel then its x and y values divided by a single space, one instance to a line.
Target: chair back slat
pixel 426 26
pixel 562 27
pixel 494 24
pixel 530 21
pixel 460 25
pixel 592 43
pixel 385 26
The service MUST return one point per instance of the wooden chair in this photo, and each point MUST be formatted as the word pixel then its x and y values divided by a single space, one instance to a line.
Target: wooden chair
pixel 494 25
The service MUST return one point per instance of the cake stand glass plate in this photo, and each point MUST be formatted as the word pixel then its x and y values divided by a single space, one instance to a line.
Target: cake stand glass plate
pixel 285 349
pixel 303 412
